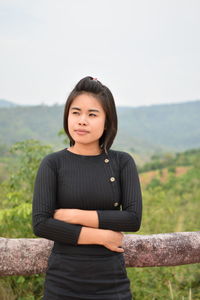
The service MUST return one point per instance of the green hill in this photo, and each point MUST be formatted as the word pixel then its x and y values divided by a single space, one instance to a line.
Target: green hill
pixel 6 103
pixel 169 126
pixel 142 130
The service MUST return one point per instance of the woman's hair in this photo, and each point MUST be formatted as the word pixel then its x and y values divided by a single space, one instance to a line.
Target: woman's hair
pixel 103 94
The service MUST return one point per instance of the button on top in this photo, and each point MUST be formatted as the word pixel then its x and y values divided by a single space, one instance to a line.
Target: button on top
pixel 106 160
pixel 112 179
pixel 116 204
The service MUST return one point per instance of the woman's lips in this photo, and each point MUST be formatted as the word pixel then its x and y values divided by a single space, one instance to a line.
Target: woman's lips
pixel 81 132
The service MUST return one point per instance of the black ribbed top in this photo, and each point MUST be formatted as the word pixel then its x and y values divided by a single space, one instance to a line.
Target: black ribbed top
pixel 107 183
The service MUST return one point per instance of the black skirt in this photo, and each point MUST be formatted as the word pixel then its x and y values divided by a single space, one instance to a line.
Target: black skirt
pixel 97 277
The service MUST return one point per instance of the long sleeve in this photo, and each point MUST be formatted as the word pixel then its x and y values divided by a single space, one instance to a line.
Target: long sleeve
pixel 44 204
pixel 129 218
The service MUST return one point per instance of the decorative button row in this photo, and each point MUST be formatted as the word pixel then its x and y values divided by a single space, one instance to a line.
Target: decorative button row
pixel 112 179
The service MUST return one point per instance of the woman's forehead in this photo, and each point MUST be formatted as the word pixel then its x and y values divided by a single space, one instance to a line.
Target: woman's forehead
pixel 86 101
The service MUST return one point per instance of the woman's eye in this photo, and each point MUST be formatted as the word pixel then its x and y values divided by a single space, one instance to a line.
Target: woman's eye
pixel 77 113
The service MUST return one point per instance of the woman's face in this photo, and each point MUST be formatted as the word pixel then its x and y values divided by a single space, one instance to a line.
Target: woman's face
pixel 86 119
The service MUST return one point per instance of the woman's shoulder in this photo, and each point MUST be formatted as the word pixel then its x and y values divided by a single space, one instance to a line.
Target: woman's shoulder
pixel 52 158
pixel 122 156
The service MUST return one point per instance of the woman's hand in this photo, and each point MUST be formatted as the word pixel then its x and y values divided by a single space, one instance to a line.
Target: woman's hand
pixel 112 240
pixel 66 215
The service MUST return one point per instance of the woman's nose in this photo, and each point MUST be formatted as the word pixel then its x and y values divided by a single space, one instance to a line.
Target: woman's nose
pixel 82 120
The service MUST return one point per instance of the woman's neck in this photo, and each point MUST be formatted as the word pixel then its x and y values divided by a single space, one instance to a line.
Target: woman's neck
pixel 85 150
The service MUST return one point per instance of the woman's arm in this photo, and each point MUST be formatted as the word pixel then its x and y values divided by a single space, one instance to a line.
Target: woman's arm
pixel 107 238
pixel 129 218
pixel 87 218
pixel 44 205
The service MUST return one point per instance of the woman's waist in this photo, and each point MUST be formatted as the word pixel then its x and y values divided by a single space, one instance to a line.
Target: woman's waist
pixel 82 249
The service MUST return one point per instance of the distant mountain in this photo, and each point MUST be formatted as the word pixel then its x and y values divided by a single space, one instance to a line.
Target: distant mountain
pixel 142 130
pixel 6 103
pixel 168 126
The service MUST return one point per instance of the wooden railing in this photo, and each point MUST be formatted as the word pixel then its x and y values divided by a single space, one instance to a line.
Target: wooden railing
pixel 29 256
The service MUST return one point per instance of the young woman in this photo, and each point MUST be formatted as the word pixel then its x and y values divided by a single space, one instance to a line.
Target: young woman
pixel 85 196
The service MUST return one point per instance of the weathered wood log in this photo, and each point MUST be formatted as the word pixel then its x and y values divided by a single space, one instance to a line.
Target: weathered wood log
pixel 29 256
pixel 167 249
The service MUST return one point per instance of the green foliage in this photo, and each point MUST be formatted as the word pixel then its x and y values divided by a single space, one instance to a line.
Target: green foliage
pixel 15 214
pixel 28 155
pixel 172 169
pixel 16 222
pixel 18 189
pixel 154 183
pixel 171 206
pixel 61 132
pixel 166 283
pixel 36 122
pixel 170 161
pixel 3 148
pixel 22 287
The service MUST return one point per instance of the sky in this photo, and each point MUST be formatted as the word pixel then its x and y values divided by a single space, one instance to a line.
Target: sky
pixel 146 52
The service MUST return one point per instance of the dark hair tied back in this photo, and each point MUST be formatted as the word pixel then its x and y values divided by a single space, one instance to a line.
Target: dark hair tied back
pixel 103 94
pixel 89 84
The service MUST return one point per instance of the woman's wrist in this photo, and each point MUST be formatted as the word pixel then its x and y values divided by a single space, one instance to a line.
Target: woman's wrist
pixel 90 235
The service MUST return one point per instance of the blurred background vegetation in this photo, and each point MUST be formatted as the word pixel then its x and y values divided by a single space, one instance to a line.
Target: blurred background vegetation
pixel 170 179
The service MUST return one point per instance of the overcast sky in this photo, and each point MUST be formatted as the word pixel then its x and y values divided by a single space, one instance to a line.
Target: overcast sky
pixel 147 52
